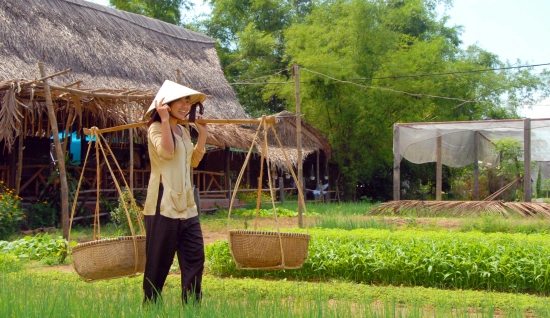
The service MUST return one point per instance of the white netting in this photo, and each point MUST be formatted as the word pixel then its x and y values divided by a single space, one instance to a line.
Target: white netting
pixel 418 141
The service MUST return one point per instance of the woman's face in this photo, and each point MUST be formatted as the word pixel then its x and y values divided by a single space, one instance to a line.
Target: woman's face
pixel 180 108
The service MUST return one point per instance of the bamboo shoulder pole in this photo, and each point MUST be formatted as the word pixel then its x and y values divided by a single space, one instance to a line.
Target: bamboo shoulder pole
pixel 269 120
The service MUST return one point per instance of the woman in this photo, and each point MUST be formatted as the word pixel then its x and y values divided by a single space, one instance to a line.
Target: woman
pixel 171 219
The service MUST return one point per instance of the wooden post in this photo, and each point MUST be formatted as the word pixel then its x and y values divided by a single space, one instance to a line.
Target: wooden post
pixel 59 154
pixel 299 141
pixel 396 166
pixel 11 167
pixel 227 171
pixel 197 200
pixel 439 170
pixel 248 174
pixel 281 190
pixel 318 176
pixel 131 136
pixel 19 170
pixel 230 193
pixel 527 159
pixel 476 165
pixel 501 176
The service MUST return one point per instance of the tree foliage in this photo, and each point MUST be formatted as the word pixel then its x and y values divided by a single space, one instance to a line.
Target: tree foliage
pixel 511 156
pixel 364 65
pixel 165 10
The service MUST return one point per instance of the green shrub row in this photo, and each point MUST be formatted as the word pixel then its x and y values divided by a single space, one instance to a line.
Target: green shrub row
pixel 498 261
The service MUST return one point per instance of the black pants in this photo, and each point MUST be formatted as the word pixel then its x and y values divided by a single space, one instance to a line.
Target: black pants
pixel 165 237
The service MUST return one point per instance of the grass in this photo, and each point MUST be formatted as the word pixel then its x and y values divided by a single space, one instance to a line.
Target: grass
pixel 493 223
pixel 59 294
pixel 328 209
pixel 351 223
pixel 39 293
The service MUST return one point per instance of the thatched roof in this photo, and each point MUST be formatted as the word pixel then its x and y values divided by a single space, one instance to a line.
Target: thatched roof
pixel 241 136
pixel 110 53
pixel 118 60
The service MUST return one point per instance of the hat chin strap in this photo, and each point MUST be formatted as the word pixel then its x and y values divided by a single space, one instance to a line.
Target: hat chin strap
pixel 193 111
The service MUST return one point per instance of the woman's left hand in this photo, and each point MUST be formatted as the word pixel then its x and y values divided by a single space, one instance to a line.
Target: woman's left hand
pixel 201 128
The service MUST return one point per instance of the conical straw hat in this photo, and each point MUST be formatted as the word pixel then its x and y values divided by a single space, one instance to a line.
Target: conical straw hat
pixel 172 91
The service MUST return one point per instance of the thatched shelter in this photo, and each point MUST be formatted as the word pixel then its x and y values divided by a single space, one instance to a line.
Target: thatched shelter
pixel 111 53
pixel 117 62
pixel 285 128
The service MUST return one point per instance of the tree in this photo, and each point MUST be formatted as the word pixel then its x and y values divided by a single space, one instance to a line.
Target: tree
pixel 165 10
pixel 356 58
pixel 511 152
pixel 251 45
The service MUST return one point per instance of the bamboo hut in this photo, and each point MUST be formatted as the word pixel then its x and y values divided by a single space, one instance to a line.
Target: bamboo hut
pixel 102 68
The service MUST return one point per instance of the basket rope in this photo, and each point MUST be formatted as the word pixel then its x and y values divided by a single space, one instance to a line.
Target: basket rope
pixel 97 229
pixel 264 151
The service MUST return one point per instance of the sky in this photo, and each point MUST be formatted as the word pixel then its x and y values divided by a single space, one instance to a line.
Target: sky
pixel 512 29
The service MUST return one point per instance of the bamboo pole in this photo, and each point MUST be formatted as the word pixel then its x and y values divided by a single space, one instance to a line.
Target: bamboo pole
pixel 476 165
pixel 299 142
pixel 269 120
pixel 53 75
pixel 104 95
pixel 439 168
pixel 131 181
pixel 19 170
pixel 396 166
pixel 527 160
pixel 59 153
pixel 67 138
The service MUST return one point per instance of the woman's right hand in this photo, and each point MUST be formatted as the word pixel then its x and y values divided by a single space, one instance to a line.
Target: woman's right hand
pixel 162 109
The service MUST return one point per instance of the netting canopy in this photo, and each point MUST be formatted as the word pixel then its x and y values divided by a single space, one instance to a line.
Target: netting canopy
pixel 418 142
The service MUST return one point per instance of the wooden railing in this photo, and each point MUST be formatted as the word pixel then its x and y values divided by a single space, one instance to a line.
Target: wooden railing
pixel 209 184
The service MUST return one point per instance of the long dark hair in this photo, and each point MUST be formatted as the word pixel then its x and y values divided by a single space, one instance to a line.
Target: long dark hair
pixel 153 117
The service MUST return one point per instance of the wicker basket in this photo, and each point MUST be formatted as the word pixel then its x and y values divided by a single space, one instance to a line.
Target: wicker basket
pixel 109 258
pixel 262 250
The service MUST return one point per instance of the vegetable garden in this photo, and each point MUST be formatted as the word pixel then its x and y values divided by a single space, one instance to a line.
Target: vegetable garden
pixel 358 265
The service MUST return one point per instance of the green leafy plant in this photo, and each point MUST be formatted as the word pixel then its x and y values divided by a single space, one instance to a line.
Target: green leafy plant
pixel 264 212
pixel 108 205
pixel 250 197
pixel 41 247
pixel 11 213
pixel 438 259
pixel 120 218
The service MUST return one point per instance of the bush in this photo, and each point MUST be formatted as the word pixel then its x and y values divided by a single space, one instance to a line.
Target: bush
pixel 120 218
pixel 11 213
